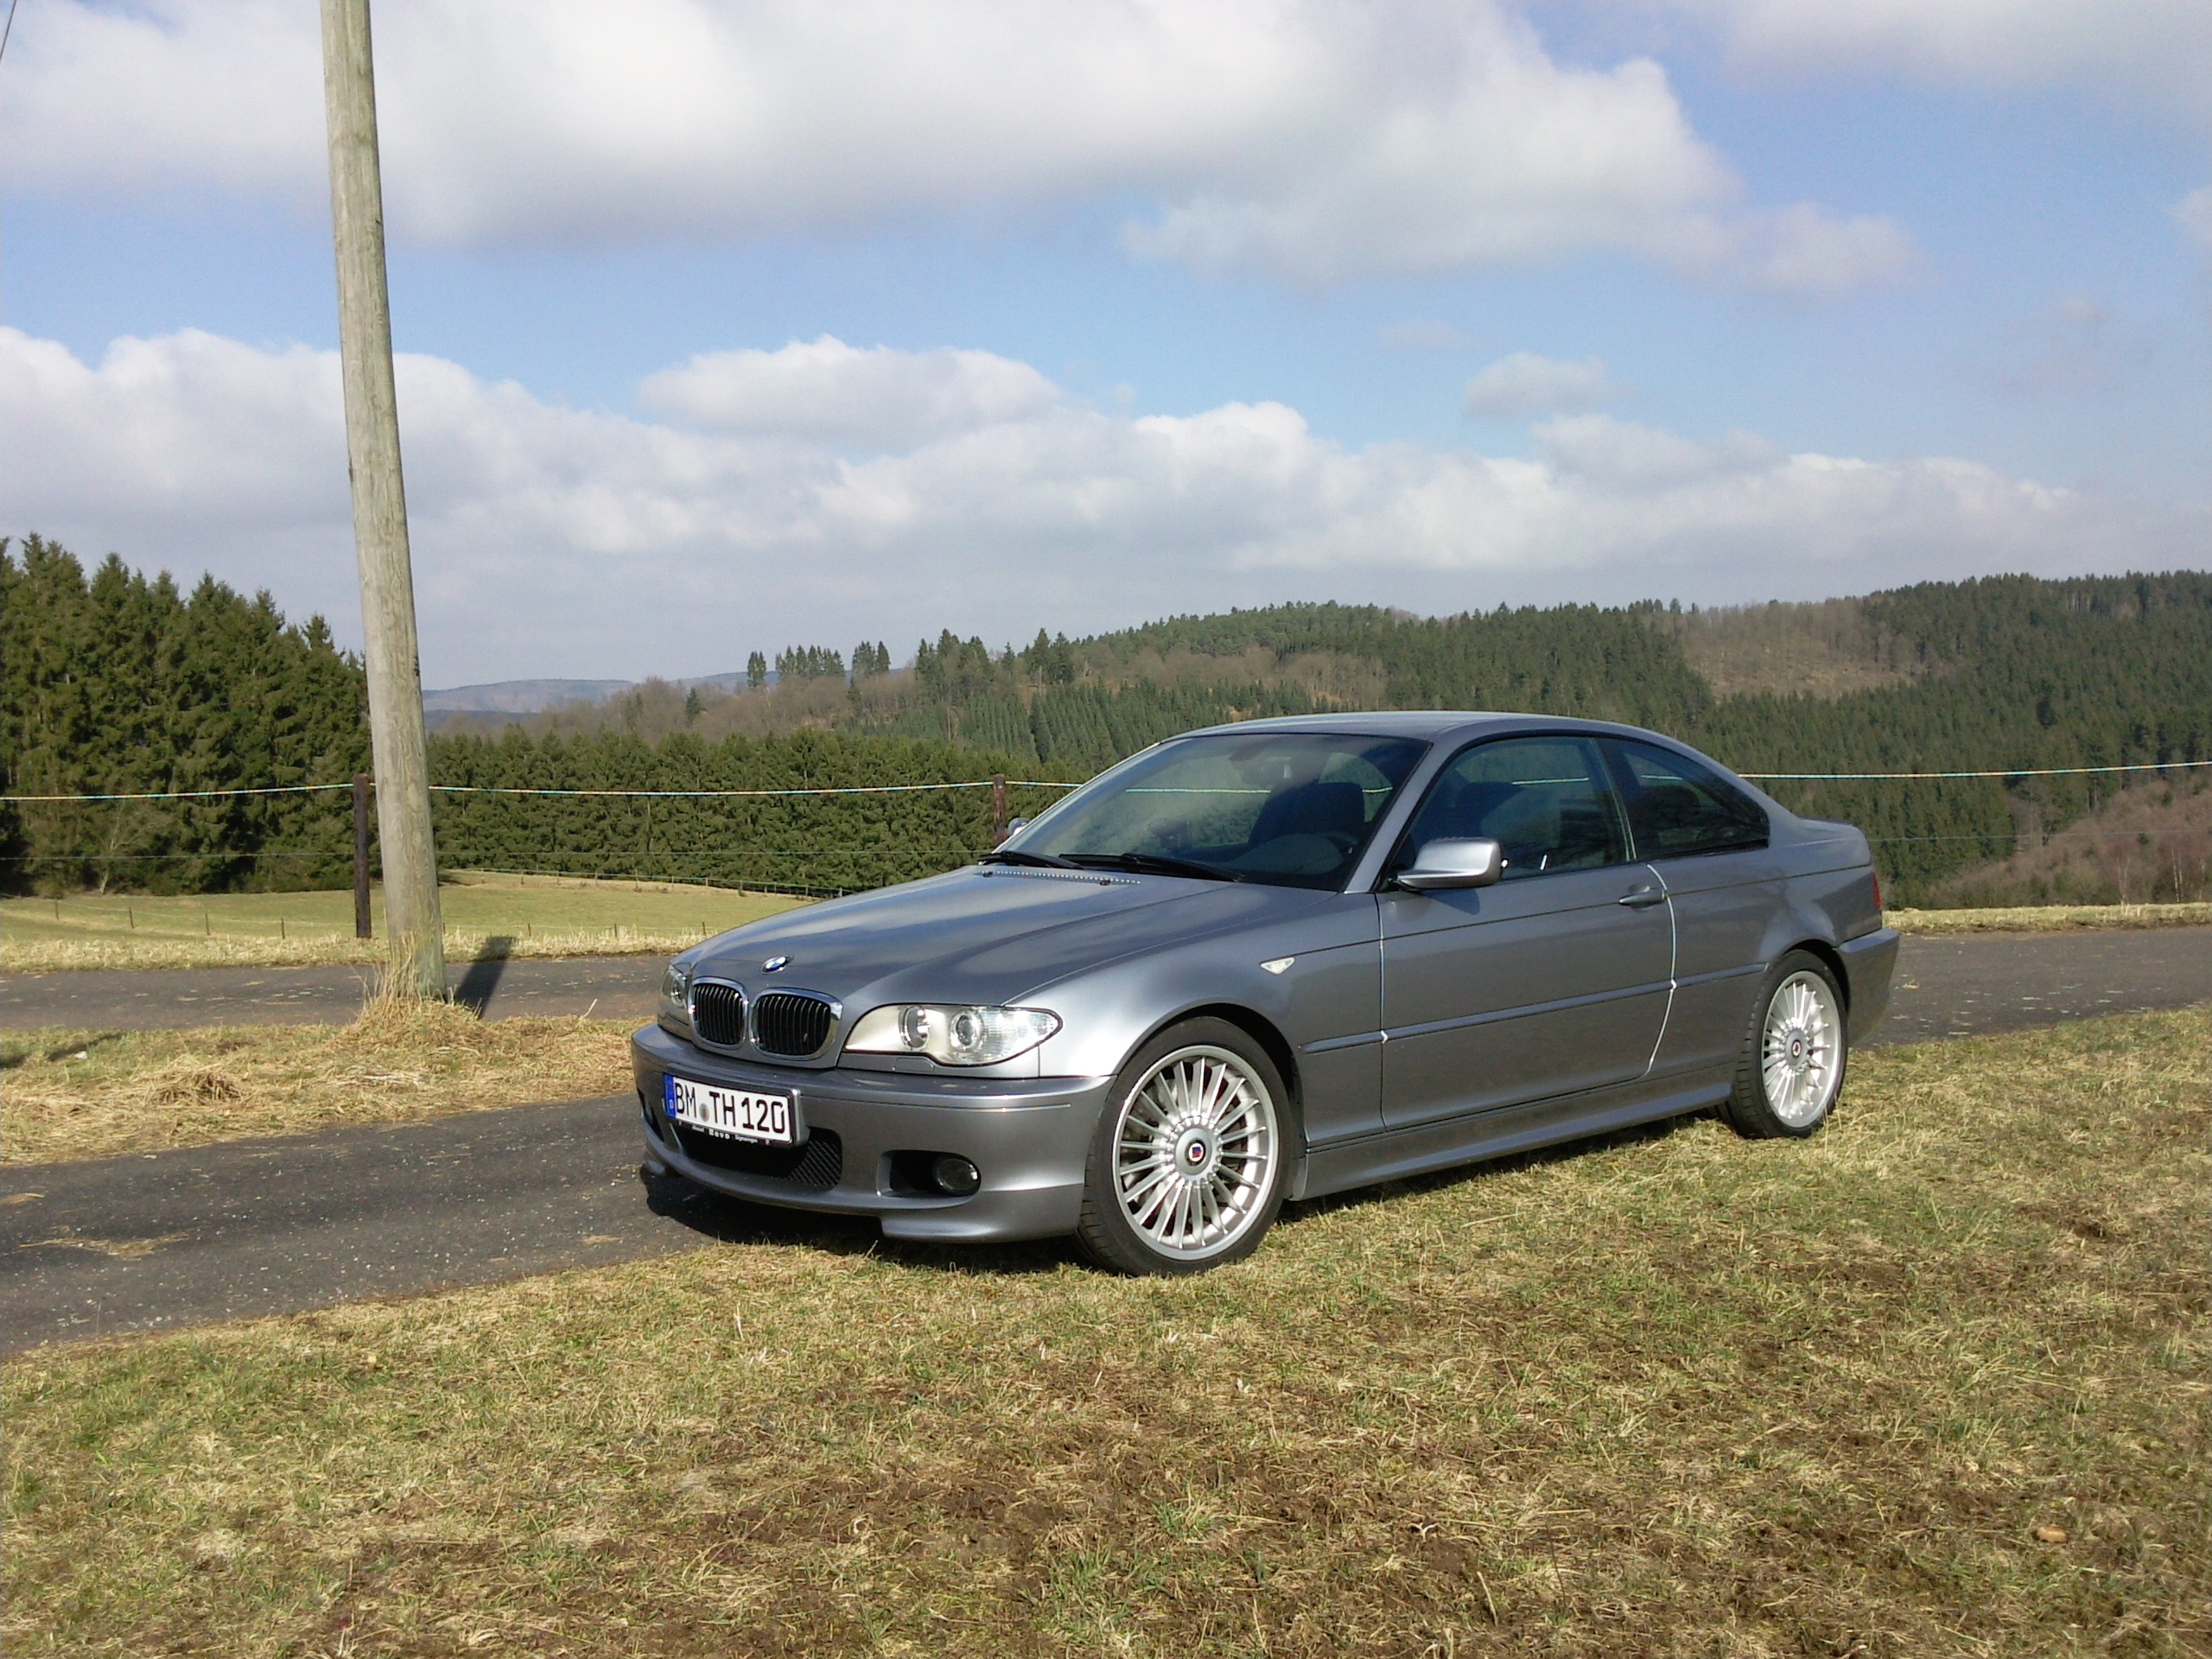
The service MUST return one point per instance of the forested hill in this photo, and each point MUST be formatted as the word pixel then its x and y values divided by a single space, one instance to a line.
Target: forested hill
pixel 116 683
pixel 113 683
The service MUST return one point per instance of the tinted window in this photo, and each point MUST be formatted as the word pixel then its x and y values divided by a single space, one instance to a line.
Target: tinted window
pixel 1678 808
pixel 1544 800
pixel 1292 809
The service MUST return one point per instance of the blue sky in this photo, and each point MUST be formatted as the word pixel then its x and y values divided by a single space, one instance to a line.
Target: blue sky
pixel 728 330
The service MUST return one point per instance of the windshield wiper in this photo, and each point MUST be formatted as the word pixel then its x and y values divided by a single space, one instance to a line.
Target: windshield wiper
pixel 1040 861
pixel 1153 864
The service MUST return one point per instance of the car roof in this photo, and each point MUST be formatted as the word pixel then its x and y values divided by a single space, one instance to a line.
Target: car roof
pixel 1430 725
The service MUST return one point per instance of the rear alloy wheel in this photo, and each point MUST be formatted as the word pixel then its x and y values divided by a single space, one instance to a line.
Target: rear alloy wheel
pixel 1186 1170
pixel 1792 1066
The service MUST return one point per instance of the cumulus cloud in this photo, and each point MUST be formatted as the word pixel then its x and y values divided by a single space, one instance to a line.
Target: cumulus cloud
pixel 1421 335
pixel 1317 142
pixel 2073 347
pixel 1804 253
pixel 2193 213
pixel 830 392
pixel 2153 53
pixel 550 539
pixel 1525 383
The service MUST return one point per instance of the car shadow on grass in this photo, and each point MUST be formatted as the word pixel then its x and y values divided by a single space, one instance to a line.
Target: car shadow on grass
pixel 734 1221
pixel 1438 1181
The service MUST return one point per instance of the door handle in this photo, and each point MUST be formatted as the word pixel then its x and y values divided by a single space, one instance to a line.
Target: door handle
pixel 1644 897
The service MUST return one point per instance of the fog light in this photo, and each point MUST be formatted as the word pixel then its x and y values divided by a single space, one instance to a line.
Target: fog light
pixel 956 1177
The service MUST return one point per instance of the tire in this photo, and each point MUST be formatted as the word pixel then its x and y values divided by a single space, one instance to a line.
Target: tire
pixel 1790 1073
pixel 1188 1164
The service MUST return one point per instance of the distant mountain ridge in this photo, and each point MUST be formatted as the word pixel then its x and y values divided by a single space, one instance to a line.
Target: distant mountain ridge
pixel 535 697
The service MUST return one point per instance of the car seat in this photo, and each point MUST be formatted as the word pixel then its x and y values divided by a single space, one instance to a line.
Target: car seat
pixel 1337 807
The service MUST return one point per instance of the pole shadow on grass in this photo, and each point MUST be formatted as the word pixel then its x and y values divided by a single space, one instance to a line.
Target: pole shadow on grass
pixel 10 1056
pixel 715 1215
pixel 476 986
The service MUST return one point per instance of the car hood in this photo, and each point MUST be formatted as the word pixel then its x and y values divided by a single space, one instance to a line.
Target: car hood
pixel 991 934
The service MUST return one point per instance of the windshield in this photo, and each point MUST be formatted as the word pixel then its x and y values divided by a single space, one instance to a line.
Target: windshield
pixel 1290 809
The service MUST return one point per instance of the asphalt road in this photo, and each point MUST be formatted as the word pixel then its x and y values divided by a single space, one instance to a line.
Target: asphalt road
pixel 170 999
pixel 276 1225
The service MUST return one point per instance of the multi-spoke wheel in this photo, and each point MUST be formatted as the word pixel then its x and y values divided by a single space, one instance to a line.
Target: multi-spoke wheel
pixel 1187 1168
pixel 1793 1062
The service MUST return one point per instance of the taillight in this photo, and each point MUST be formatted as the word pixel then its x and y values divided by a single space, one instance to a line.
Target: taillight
pixel 1877 892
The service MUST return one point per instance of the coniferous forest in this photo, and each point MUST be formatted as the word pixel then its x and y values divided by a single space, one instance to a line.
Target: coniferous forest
pixel 116 683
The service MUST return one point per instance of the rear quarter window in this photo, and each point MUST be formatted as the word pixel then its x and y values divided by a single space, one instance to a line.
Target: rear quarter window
pixel 1679 809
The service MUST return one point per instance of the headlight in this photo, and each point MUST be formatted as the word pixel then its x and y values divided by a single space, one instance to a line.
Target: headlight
pixel 952 1036
pixel 676 993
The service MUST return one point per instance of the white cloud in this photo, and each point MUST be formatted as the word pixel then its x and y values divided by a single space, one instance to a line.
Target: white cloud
pixel 2193 213
pixel 1421 335
pixel 1804 253
pixel 2153 53
pixel 1525 383
pixel 1320 141
pixel 2075 346
pixel 829 392
pixel 554 540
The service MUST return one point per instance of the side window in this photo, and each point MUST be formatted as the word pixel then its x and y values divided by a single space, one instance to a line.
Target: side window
pixel 1544 800
pixel 1678 808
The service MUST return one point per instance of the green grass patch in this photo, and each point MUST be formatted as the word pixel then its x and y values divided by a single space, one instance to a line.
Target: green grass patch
pixel 513 915
pixel 1932 1382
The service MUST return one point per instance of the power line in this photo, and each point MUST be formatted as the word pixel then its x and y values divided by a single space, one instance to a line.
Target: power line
pixel 731 794
pixel 1026 783
pixel 494 788
pixel 2009 771
pixel 184 794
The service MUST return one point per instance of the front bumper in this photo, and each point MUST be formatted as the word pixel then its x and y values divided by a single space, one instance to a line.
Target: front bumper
pixel 1869 964
pixel 1029 1138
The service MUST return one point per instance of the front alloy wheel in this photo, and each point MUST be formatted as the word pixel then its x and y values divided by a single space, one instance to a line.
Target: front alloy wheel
pixel 1187 1169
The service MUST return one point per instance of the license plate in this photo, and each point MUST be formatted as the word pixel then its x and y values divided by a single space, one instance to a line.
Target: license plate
pixel 732 1114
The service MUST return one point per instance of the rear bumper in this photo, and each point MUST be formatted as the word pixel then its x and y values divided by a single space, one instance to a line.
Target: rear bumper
pixel 1869 964
pixel 1028 1138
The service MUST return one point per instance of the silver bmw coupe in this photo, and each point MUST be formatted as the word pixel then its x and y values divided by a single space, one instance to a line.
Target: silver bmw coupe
pixel 1274 960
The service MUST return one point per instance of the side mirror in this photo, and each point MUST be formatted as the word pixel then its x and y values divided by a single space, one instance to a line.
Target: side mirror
pixel 1443 864
pixel 1015 826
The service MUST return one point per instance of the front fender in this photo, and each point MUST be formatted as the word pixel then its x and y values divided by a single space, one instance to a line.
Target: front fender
pixel 1329 986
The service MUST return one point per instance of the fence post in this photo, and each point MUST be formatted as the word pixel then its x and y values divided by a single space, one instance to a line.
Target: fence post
pixel 997 808
pixel 361 928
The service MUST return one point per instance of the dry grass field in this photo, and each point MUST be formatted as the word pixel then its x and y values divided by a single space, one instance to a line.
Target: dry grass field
pixel 96 1094
pixel 1934 1383
pixel 485 914
pixel 2048 919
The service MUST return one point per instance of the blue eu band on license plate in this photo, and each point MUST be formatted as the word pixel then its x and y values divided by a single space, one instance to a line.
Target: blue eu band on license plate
pixel 730 1114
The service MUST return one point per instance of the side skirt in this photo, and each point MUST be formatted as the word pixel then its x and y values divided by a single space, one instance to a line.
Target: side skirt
pixel 1395 1154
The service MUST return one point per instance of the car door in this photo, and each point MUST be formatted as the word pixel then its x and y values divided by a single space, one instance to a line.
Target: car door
pixel 1707 840
pixel 1553 980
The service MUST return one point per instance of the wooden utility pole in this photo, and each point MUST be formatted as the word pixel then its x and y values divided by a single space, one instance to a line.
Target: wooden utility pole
pixel 410 861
